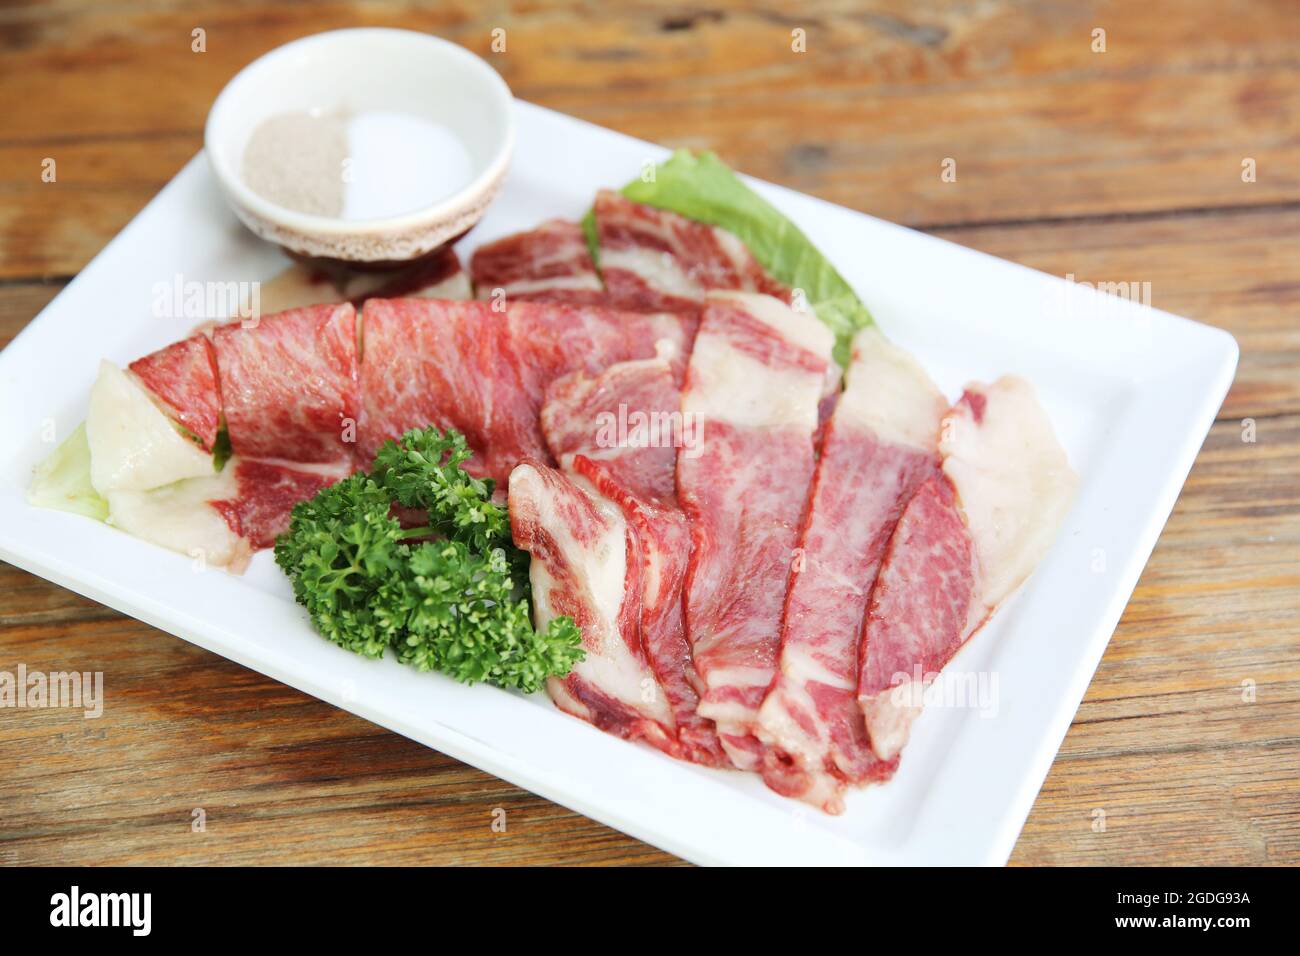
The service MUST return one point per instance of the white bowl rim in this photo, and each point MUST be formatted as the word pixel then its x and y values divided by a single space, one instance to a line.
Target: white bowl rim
pixel 309 224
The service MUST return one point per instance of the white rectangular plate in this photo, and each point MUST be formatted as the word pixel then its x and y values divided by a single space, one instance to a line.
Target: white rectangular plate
pixel 1131 390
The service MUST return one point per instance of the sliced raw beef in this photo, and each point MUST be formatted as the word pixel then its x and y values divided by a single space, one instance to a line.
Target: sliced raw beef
pixel 880 445
pixel 438 276
pixel 628 418
pixel 548 264
pixel 558 339
pixel 463 365
pixel 655 260
pixel 183 378
pixel 622 431
pixel 966 540
pixel 585 565
pixel 289 384
pixel 446 364
pixel 264 496
pixel 754 382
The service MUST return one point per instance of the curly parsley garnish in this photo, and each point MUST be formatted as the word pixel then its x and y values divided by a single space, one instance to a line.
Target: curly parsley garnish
pixel 445 596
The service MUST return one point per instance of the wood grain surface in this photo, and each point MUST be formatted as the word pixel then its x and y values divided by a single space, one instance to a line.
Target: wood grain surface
pixel 1123 165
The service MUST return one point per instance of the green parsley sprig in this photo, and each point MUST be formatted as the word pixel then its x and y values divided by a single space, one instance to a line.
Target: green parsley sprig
pixel 449 596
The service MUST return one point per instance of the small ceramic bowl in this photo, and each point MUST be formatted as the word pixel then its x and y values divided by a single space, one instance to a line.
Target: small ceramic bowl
pixel 355 71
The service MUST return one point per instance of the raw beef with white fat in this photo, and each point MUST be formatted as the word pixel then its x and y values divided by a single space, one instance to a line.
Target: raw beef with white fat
pixel 548 264
pixel 290 401
pixel 966 540
pixel 290 384
pixel 183 379
pixel 879 446
pixel 754 383
pixel 655 260
pixel 265 493
pixel 438 276
pixel 464 365
pixel 622 431
pixel 585 565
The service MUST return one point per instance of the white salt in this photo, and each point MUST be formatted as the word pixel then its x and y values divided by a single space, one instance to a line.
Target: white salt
pixel 400 163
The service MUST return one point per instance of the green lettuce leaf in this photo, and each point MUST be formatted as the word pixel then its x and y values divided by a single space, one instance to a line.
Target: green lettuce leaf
pixel 700 186
pixel 62 481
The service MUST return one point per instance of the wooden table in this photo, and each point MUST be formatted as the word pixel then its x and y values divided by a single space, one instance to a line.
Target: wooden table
pixel 1122 165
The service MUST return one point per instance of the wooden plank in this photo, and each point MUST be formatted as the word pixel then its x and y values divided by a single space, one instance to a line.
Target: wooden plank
pixel 734 49
pixel 1038 124
pixel 19 304
pixel 52 229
